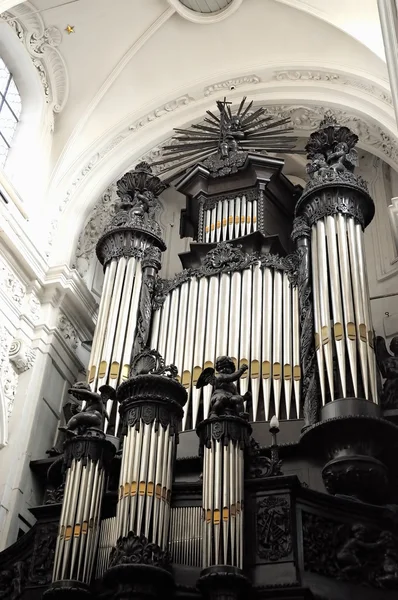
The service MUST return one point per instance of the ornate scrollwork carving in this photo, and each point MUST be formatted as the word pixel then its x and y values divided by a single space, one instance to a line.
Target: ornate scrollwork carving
pixel 224 428
pixel 274 535
pixel 259 465
pixel 225 258
pixel 134 550
pixel 333 158
pixel 138 191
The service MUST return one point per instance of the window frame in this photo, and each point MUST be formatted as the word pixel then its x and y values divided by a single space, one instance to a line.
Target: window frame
pixel 5 102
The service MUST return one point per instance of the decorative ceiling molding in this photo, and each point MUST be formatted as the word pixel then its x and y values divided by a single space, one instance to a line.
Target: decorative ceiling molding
pixel 231 84
pixel 41 43
pixel 355 82
pixel 134 127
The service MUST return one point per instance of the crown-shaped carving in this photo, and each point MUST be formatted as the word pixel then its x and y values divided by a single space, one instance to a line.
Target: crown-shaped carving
pixel 140 180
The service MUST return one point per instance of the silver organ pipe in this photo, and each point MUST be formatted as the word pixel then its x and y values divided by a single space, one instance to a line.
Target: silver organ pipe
pixel 109 280
pixel 187 372
pixel 213 225
pixel 223 493
pixel 231 219
pixel 277 341
pixel 214 310
pixel 219 221
pixel 287 344
pixel 348 303
pixel 326 338
pixel 225 217
pixel 341 298
pixel 199 340
pixel 148 457
pixel 237 217
pixel 255 359
pixel 266 342
pixel 249 217
pixel 243 216
pixel 105 364
pixel 335 289
pixel 317 315
pixel 186 535
pixel 245 328
pixel 76 544
pixel 250 315
pixel 254 217
pixel 207 227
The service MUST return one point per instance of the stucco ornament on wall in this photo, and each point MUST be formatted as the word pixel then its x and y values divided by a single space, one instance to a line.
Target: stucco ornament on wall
pixel 21 355
pixel 42 44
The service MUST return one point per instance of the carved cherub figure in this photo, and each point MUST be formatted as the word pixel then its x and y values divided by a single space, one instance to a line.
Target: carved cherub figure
pixel 388 365
pixel 343 158
pixel 317 166
pixel 350 555
pixel 93 413
pixel 225 399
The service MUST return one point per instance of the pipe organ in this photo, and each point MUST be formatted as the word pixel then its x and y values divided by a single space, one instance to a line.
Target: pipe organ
pixel 249 314
pixel 275 284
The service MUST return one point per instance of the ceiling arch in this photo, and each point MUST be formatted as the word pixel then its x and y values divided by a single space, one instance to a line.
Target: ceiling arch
pixel 369 114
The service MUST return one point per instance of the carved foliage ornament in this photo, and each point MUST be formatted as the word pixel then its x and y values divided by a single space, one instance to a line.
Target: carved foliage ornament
pixel 224 429
pixel 274 535
pixel 358 553
pixel 134 549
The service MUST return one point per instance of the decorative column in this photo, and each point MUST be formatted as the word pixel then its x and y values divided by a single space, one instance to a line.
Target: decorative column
pixel 130 252
pixel 224 436
pixel 151 410
pixel 87 457
pixel 336 206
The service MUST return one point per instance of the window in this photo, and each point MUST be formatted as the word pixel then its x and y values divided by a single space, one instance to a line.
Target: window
pixel 10 110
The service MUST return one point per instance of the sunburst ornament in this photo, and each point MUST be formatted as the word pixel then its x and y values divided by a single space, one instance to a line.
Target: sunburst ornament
pixel 228 134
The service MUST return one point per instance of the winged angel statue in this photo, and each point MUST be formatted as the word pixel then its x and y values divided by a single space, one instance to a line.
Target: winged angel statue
pixel 225 399
pixel 93 413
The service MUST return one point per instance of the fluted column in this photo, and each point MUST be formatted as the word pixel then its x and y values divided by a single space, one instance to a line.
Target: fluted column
pixel 223 441
pixel 130 252
pixel 337 207
pixel 151 411
pixel 86 461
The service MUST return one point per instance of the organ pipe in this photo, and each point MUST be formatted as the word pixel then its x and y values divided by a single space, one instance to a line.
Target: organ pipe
pixel 251 315
pixel 148 453
pixel 77 538
pixel 223 494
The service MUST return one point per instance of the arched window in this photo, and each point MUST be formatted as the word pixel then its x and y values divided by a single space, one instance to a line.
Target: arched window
pixel 10 110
